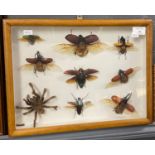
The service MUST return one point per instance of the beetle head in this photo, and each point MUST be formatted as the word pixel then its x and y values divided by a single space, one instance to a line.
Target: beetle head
pixel 122 40
pixel 38 55
pixel 81 39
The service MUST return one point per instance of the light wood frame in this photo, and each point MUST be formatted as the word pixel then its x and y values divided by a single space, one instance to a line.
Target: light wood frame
pixel 76 127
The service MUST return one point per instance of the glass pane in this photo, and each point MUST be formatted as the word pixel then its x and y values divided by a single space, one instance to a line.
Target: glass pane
pixel 117 62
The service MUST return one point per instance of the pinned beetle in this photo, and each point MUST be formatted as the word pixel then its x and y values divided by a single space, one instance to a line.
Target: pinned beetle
pixel 122 104
pixel 80 76
pixel 81 45
pixel 39 63
pixel 31 39
pixel 122 75
pixel 123 44
pixel 79 105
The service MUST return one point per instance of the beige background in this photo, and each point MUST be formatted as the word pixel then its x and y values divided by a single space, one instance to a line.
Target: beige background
pixel 107 62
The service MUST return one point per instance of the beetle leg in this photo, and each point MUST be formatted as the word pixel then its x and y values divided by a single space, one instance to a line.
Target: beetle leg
pixel 35 70
pixel 74 113
pixel 44 69
pixel 77 86
pixel 82 113
pixel 119 54
pixel 125 55
pixel 75 52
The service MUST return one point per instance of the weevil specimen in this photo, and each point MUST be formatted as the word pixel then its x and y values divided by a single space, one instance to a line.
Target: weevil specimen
pixel 36 103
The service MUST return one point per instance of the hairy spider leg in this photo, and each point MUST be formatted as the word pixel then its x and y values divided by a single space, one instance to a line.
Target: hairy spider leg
pixel 49 99
pixel 35 119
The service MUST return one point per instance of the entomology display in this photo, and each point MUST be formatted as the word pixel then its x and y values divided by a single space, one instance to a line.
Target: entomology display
pixel 80 76
pixel 47 81
pixel 81 45
pixel 31 39
pixel 36 103
pixel 123 44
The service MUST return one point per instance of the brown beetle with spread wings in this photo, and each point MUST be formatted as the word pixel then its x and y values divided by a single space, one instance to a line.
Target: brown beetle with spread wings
pixel 121 103
pixel 39 63
pixel 81 45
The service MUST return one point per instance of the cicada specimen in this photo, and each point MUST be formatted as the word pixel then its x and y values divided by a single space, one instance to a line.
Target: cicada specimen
pixel 31 39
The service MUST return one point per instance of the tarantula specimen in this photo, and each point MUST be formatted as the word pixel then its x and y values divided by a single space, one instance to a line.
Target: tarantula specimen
pixel 36 103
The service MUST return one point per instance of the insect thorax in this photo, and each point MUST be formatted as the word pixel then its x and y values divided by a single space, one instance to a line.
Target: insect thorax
pixel 123 49
pixel 123 76
pixel 40 67
pixel 81 79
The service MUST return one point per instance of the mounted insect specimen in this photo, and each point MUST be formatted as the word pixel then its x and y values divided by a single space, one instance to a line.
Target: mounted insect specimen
pixel 39 63
pixel 123 44
pixel 79 105
pixel 36 103
pixel 31 39
pixel 122 76
pixel 121 103
pixel 80 76
pixel 81 45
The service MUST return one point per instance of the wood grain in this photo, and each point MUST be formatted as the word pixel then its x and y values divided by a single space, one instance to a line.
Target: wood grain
pixel 83 126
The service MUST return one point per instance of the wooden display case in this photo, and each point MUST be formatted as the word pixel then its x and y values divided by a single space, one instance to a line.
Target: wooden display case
pixel 105 52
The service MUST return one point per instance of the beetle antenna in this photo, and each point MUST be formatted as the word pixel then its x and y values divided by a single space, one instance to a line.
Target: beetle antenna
pixel 85 96
pixel 73 96
pixel 127 39
pixel 118 39
pixel 128 96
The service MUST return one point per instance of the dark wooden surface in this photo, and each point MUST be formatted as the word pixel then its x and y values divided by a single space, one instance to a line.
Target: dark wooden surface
pixel 139 132
pixel 3 115
pixel 154 89
pixel 1 123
